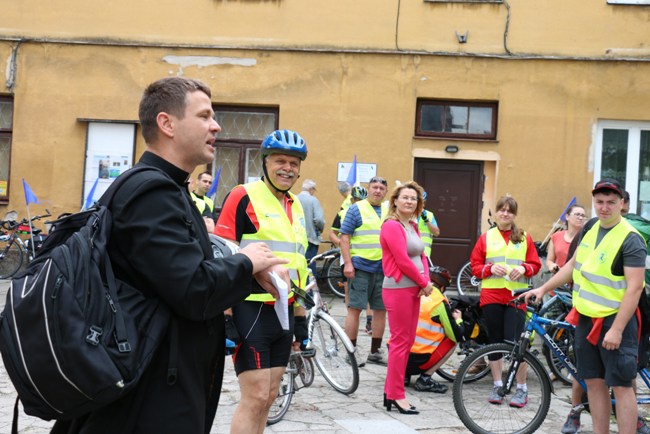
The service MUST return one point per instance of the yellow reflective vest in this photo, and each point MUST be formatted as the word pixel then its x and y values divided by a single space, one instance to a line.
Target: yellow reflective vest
pixel 509 255
pixel 425 233
pixel 286 240
pixel 597 292
pixel 202 202
pixel 364 242
pixel 429 334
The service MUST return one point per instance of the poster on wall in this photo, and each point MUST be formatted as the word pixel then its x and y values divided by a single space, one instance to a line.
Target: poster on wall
pixel 109 153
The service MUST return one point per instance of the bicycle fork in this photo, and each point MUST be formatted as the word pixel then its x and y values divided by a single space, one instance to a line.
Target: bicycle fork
pixel 517 358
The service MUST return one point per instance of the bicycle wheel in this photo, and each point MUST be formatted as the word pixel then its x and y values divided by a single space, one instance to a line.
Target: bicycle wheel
pixel 282 403
pixel 11 259
pixel 449 369
pixel 480 416
pixel 466 283
pixel 306 370
pixel 334 276
pixel 333 360
pixel 564 340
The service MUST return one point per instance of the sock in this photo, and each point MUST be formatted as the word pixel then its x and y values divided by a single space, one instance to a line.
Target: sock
pixel 425 377
pixel 375 345
pixel 498 383
pixel 523 387
pixel 354 342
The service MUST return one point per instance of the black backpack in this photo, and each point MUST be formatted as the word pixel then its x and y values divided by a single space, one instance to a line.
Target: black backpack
pixel 74 338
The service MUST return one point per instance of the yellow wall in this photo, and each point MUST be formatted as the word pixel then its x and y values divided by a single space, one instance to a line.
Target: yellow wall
pixel 336 71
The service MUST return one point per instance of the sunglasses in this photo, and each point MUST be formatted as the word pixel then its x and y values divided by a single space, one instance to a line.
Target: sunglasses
pixel 379 180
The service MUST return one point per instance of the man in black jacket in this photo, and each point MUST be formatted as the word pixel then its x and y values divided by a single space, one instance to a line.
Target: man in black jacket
pixel 159 244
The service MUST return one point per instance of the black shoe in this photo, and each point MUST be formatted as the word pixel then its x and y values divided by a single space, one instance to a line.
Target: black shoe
pixel 390 402
pixel 429 385
pixel 407 380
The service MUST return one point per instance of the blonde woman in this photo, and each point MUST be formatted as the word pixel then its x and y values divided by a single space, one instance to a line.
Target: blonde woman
pixel 406 279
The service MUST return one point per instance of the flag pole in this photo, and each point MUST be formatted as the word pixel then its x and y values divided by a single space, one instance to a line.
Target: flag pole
pixel 31 231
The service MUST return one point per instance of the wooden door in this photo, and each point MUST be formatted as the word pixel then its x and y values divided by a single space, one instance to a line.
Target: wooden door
pixel 455 191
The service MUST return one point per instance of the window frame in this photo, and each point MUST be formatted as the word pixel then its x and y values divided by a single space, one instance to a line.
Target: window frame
pixel 8 133
pixel 419 132
pixel 243 145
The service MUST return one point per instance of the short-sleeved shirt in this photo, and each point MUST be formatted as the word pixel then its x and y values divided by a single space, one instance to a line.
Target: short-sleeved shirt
pixel 351 222
pixel 631 254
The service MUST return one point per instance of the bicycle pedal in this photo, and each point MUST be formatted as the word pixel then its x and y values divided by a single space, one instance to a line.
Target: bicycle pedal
pixel 309 352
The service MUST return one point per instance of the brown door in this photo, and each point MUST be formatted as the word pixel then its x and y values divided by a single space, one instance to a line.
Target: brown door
pixel 454 190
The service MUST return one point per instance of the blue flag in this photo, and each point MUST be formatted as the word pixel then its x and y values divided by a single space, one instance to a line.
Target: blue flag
pixel 215 184
pixel 352 174
pixel 30 197
pixel 571 203
pixel 91 195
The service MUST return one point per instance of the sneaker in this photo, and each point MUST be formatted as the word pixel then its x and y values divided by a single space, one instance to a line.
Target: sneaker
pixel 642 427
pixel 520 399
pixel 378 358
pixel 572 424
pixel 429 385
pixel 494 397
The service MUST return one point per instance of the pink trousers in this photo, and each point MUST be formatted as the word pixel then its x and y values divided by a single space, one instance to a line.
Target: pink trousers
pixel 402 307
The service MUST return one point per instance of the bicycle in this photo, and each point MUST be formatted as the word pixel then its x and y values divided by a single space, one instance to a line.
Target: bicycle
pixel 470 402
pixel 466 283
pixel 330 274
pixel 327 345
pixel 14 249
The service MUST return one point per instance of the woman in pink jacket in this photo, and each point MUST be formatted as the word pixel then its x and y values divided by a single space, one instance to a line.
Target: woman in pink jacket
pixel 406 279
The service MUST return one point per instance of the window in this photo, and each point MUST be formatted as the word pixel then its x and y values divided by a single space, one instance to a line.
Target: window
pixel 6 121
pixel 456 119
pixel 238 145
pixel 623 153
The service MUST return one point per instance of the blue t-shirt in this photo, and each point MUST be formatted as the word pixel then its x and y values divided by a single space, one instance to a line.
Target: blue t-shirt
pixel 351 222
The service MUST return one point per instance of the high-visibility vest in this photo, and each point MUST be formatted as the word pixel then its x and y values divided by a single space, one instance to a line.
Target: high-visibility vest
pixel 425 233
pixel 509 255
pixel 597 292
pixel 429 334
pixel 364 242
pixel 285 239
pixel 202 202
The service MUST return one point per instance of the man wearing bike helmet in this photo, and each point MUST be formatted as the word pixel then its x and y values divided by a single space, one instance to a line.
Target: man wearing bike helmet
pixel 267 211
pixel 361 253
pixel 428 227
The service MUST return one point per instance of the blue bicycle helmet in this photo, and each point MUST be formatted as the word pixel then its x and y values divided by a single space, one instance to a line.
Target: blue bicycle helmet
pixel 284 142
pixel 359 192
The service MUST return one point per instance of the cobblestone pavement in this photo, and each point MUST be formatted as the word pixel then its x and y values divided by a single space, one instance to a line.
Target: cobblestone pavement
pixel 320 409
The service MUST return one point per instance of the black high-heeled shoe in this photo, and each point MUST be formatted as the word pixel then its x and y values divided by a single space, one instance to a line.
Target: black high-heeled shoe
pixel 389 405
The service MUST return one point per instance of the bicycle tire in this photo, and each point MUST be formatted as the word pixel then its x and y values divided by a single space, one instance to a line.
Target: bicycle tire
pixel 11 259
pixel 450 368
pixel 283 401
pixel 337 364
pixel 466 283
pixel 481 417
pixel 306 371
pixel 334 276
pixel 564 339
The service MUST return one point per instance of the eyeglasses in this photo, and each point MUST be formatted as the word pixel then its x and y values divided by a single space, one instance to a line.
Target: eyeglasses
pixel 580 216
pixel 379 180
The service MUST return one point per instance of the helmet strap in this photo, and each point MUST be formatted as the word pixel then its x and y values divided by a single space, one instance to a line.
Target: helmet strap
pixel 268 178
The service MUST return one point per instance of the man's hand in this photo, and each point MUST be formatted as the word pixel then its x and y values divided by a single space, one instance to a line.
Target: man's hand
pixel 266 281
pixel 348 271
pixel 209 224
pixel 536 293
pixel 612 339
pixel 262 257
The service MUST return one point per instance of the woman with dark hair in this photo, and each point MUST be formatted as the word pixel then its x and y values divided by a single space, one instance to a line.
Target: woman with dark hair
pixel 406 279
pixel 558 246
pixel 504 258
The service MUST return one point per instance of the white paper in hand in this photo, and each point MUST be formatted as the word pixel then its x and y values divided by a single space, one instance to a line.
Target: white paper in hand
pixel 281 304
